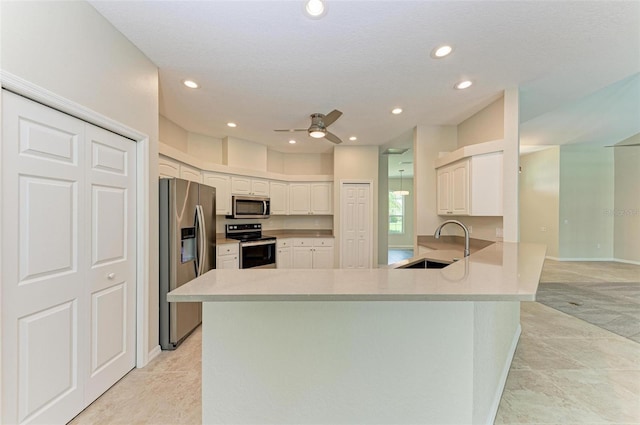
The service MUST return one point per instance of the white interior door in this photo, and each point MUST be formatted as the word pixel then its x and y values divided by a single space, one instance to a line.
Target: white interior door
pixel 355 223
pixel 110 279
pixel 49 282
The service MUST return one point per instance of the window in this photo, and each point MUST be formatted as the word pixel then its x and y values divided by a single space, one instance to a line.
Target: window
pixel 396 213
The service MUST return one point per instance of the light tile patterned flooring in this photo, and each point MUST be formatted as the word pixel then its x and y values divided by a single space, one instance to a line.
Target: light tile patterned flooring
pixel 565 371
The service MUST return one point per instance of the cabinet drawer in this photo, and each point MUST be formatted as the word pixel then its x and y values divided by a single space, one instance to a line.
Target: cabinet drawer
pixel 323 242
pixel 283 243
pixel 228 249
pixel 303 242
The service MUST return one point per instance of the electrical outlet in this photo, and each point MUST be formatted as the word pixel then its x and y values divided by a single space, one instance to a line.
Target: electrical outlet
pixel 498 232
pixel 470 229
pixel 543 229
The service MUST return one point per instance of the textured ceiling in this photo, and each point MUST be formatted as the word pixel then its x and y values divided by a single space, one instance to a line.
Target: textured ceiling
pixel 265 65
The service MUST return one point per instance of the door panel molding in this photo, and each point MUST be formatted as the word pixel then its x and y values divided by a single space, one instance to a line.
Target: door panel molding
pixel 144 190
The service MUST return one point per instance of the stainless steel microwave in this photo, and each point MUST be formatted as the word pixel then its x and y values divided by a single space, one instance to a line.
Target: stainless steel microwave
pixel 245 206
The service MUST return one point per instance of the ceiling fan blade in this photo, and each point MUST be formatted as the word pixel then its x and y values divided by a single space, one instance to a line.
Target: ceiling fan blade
pixel 332 138
pixel 291 130
pixel 623 146
pixel 331 117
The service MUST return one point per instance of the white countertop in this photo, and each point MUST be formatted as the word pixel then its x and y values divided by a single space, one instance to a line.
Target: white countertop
pixel 500 272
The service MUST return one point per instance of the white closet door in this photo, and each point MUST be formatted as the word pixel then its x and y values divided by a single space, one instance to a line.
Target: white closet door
pixel 110 280
pixel 48 251
pixel 356 230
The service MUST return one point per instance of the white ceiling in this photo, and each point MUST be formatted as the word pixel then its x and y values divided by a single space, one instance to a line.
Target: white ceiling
pixel 265 65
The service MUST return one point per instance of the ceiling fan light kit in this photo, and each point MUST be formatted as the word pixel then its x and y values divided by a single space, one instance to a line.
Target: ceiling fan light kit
pixel 318 127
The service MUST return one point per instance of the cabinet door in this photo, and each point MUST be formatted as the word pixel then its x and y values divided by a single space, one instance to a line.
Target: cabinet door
pixel 227 262
pixel 323 257
pixel 190 173
pixel 321 200
pixel 444 191
pixel 240 185
pixel 460 188
pixel 167 167
pixel 279 193
pixel 283 258
pixel 302 257
pixel 222 184
pixel 260 187
pixel 299 198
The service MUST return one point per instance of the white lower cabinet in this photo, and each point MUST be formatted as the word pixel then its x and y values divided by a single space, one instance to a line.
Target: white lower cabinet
pixel 284 253
pixel 227 256
pixel 313 253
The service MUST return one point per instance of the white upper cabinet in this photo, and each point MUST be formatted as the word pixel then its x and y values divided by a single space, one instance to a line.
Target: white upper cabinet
pixel 168 167
pixel 222 183
pixel 310 198
pixel 279 193
pixel 471 186
pixel 188 172
pixel 321 200
pixel 247 186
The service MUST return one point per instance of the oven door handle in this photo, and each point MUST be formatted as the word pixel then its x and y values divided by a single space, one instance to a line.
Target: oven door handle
pixel 257 243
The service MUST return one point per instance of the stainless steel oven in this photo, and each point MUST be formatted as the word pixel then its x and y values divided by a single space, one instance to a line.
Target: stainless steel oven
pixel 256 251
pixel 258 254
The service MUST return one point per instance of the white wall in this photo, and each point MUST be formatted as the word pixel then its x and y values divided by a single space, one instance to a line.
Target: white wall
pixel 308 163
pixel 204 147
pixel 626 211
pixel 355 163
pixel 244 154
pixel 428 142
pixel 539 198
pixel 485 125
pixel 406 239
pixel 586 192
pixel 172 134
pixel 72 51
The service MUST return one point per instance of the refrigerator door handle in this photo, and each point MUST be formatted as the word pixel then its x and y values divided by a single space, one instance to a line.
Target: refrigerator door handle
pixel 202 234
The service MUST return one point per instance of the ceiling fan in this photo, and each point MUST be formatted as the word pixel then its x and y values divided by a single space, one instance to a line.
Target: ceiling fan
pixel 319 124
pixel 628 145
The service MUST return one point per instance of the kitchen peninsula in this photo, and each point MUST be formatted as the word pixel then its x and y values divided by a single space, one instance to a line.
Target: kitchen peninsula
pixel 363 346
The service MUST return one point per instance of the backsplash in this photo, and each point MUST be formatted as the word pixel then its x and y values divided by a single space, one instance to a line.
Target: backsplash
pixel 282 222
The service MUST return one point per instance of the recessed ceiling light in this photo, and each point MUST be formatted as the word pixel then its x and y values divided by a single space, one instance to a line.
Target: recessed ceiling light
pixel 315 9
pixel 191 84
pixel 353 138
pixel 293 142
pixel 442 51
pixel 232 124
pixel 463 85
pixel 396 111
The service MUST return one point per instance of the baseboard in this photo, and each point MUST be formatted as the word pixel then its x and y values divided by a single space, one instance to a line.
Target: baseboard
pixel 582 259
pixel 503 377
pixel 616 260
pixel 155 352
pixel 619 260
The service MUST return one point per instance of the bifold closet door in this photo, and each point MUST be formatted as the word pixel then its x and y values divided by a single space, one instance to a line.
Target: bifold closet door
pixel 68 262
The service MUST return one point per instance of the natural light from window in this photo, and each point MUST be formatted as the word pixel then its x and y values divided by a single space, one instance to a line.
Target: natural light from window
pixel 396 213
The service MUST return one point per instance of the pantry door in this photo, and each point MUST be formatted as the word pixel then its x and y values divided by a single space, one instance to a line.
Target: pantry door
pixel 355 222
pixel 62 314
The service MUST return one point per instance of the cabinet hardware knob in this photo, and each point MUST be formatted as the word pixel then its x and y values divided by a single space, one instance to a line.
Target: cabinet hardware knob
pixel 111 276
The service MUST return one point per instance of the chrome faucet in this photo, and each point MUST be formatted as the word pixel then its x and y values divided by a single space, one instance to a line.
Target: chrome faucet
pixel 464 228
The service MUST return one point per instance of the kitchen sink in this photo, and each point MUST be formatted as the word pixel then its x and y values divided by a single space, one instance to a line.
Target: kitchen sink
pixel 424 264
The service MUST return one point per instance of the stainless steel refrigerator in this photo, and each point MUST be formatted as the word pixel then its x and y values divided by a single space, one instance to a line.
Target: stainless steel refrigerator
pixel 187 250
